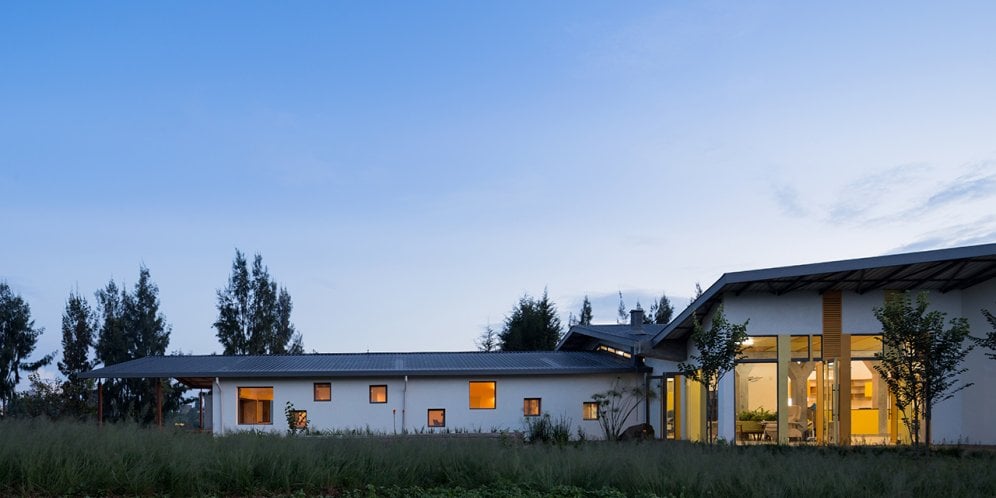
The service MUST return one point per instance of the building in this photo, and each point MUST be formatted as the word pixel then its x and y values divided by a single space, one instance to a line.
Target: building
pixel 808 372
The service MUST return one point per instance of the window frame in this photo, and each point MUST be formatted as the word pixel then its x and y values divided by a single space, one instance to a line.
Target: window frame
pixel 428 417
pixel 584 410
pixel 238 405
pixel 371 393
pixel 525 405
pixel 494 385
pixel 315 391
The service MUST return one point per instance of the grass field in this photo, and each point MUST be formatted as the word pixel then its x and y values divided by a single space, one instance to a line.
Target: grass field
pixel 55 459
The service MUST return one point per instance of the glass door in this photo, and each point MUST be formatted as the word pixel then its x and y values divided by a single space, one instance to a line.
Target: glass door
pixel 827 412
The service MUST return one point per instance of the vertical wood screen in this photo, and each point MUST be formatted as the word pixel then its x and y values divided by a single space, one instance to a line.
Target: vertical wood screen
pixel 832 325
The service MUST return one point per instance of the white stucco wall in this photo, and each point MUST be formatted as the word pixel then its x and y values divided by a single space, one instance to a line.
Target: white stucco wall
pixel 965 417
pixel 562 395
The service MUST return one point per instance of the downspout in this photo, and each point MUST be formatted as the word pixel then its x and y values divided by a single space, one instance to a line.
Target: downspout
pixel 404 406
pixel 221 404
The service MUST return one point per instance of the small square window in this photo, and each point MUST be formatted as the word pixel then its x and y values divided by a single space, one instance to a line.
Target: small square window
pixel 323 391
pixel 437 417
pixel 299 419
pixel 482 395
pixel 255 405
pixel 378 394
pixel 531 407
pixel 590 410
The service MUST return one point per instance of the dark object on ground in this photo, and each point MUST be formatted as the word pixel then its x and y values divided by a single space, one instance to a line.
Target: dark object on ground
pixel 637 432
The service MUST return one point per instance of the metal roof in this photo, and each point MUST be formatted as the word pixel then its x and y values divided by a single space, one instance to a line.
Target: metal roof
pixel 621 335
pixel 367 365
pixel 942 270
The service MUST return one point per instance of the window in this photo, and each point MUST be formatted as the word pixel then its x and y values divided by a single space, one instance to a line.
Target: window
pixel 255 405
pixel 531 407
pixel 299 419
pixel 607 349
pixel 437 417
pixel 589 411
pixel 482 395
pixel 760 348
pixel 378 394
pixel 323 391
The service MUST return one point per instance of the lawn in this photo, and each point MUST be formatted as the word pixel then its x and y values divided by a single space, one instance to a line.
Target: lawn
pixel 55 459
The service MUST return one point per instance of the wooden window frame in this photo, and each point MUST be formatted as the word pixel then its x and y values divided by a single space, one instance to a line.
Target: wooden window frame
pixel 428 417
pixel 329 385
pixel 238 405
pixel 584 410
pixel 539 407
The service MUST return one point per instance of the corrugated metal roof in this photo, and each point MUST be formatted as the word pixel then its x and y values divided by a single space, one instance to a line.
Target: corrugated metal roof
pixel 622 335
pixel 369 364
pixel 942 270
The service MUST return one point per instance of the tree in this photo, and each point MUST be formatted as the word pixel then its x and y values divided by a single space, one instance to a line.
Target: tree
pixel 622 316
pixel 253 317
pixel 488 340
pixel 78 326
pixel 661 311
pixel 533 325
pixel 18 337
pixel 717 351
pixel 584 318
pixel 920 358
pixel 133 327
pixel 616 405
pixel 989 341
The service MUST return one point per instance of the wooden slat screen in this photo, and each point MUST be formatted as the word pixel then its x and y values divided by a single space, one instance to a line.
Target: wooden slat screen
pixel 832 326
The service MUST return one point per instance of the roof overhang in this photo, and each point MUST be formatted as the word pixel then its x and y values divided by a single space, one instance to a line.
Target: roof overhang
pixel 943 270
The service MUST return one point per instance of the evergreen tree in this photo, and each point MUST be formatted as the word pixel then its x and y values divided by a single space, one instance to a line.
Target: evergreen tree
pixel 79 324
pixel 533 325
pixel 253 317
pixel 18 337
pixel 133 327
pixel 622 316
pixel 920 359
pixel 488 340
pixel 661 312
pixel 586 314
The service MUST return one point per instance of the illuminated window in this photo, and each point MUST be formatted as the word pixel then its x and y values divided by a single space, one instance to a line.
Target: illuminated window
pixel 255 405
pixel 614 351
pixel 299 419
pixel 482 395
pixel 378 394
pixel 437 417
pixel 760 348
pixel 865 346
pixel 323 391
pixel 531 407
pixel 589 411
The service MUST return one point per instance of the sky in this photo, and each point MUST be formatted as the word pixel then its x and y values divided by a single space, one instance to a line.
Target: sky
pixel 409 170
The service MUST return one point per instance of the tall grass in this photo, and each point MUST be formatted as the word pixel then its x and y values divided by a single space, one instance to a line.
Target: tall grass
pixel 41 458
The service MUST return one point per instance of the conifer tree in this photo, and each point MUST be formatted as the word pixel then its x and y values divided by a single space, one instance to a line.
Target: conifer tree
pixel 533 325
pixel 586 315
pixel 79 324
pixel 254 318
pixel 18 337
pixel 661 311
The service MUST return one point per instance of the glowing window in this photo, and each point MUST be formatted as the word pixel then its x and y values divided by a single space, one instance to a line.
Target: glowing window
pixel 482 395
pixel 760 348
pixel 299 419
pixel 255 405
pixel 323 391
pixel 531 407
pixel 589 411
pixel 437 417
pixel 865 346
pixel 378 394
pixel 607 349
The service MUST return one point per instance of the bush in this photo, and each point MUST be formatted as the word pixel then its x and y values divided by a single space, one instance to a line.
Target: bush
pixel 758 415
pixel 545 430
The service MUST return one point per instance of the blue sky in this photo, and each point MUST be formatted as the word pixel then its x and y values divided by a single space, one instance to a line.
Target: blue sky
pixel 408 170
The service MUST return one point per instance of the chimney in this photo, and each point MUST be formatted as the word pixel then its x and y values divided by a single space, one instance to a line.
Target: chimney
pixel 636 318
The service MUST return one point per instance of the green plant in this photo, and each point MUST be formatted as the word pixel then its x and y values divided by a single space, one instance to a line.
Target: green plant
pixel 617 404
pixel 757 415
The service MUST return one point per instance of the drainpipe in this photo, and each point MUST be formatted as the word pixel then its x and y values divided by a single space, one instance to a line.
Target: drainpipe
pixel 221 414
pixel 404 406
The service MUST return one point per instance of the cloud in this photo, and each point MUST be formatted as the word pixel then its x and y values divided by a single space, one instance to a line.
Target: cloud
pixel 787 198
pixel 859 200
pixel 980 231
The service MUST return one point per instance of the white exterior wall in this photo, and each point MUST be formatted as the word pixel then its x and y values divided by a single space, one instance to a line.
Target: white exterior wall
pixel 562 395
pixel 965 417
